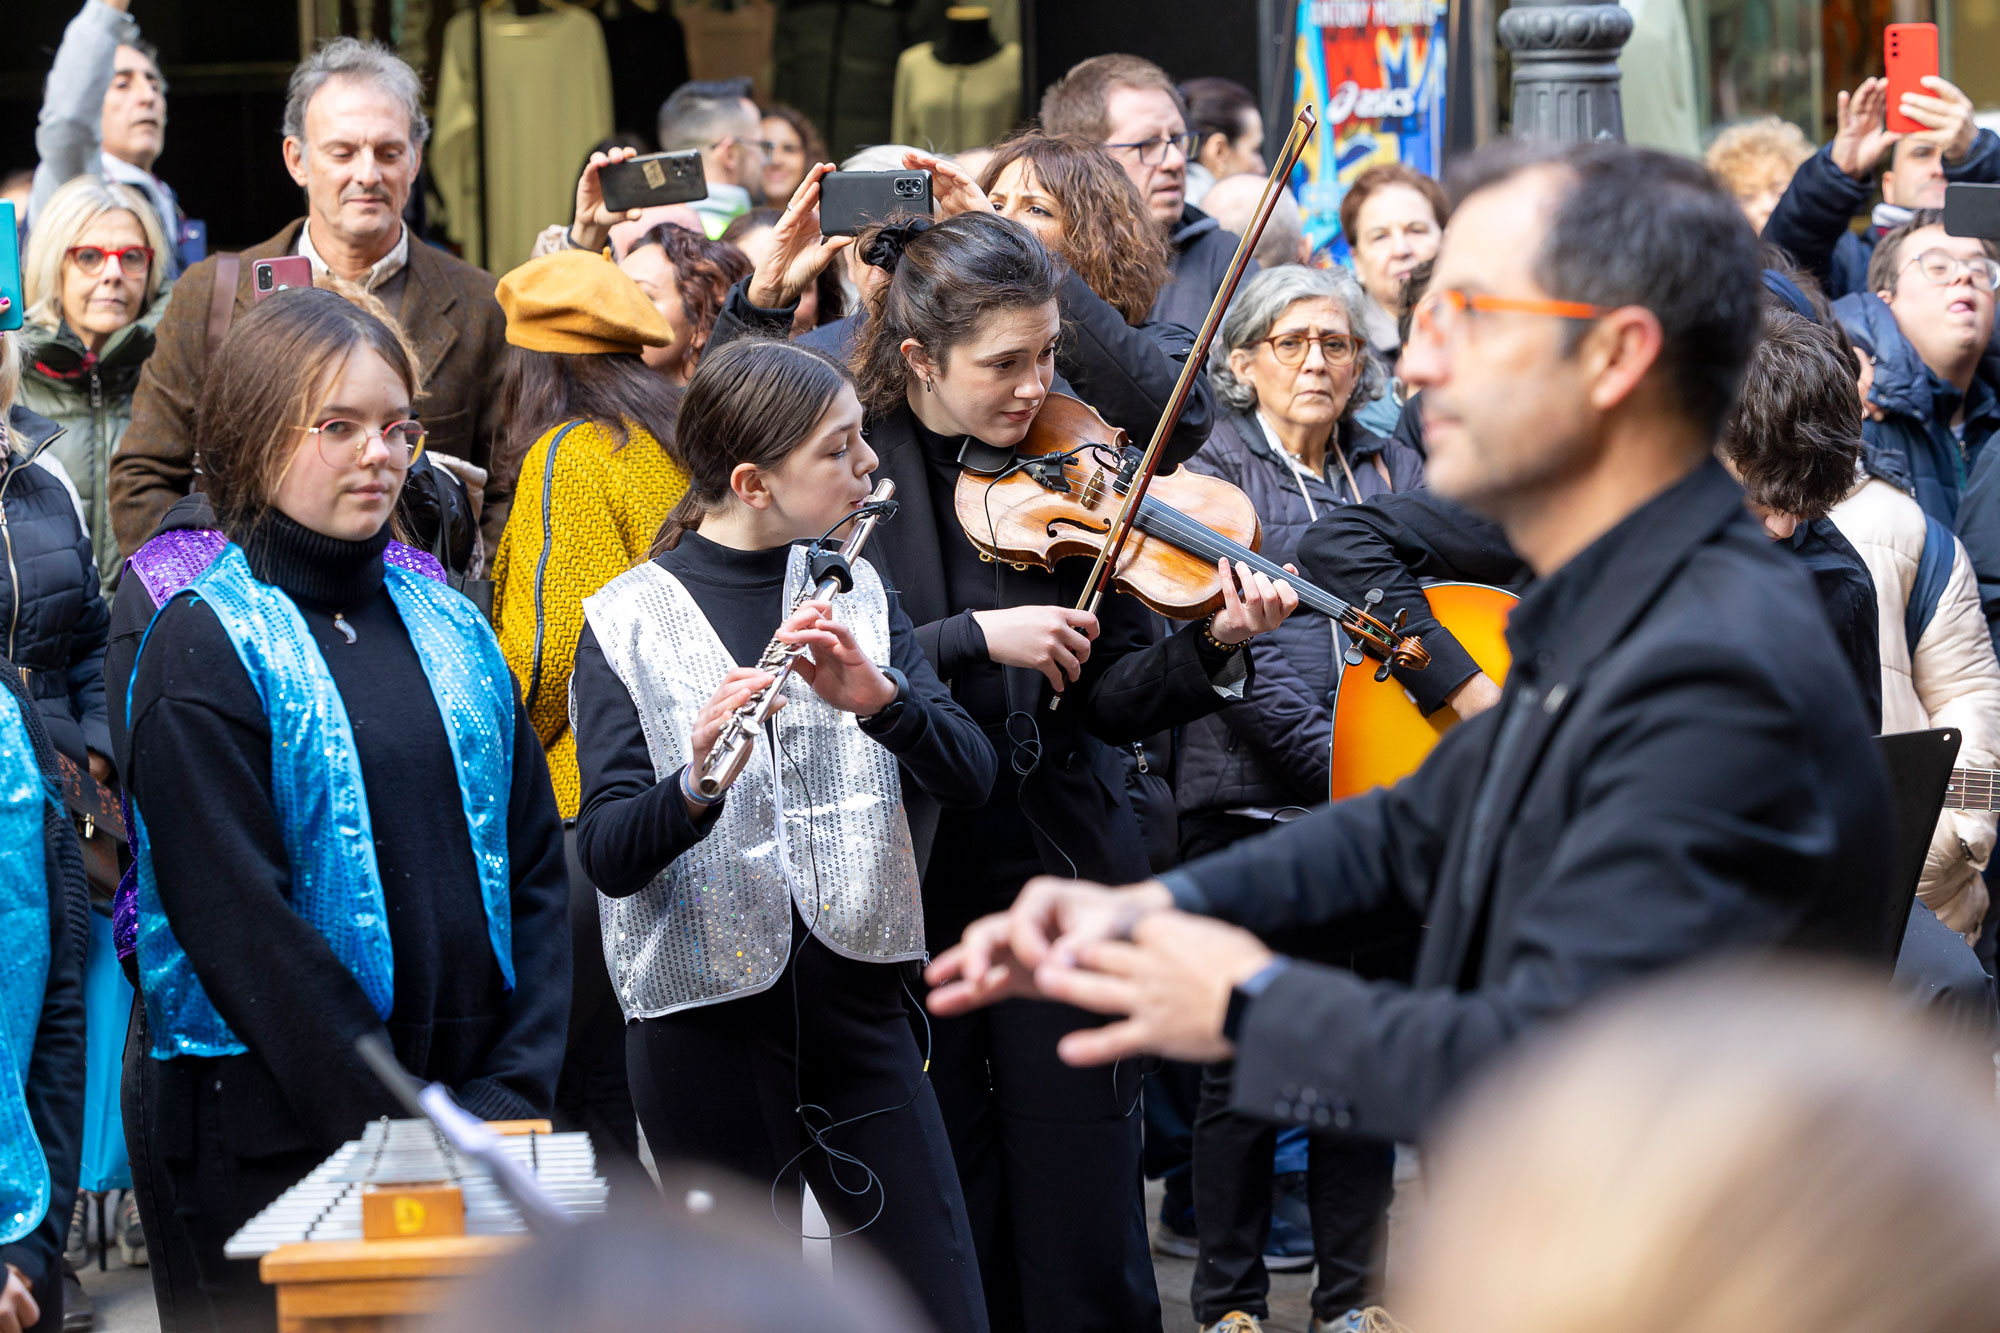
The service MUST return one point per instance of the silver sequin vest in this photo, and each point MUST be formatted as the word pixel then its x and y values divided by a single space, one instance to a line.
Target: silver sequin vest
pixel 831 836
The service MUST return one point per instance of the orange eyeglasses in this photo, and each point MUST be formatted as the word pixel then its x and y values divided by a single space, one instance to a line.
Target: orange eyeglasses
pixel 1438 314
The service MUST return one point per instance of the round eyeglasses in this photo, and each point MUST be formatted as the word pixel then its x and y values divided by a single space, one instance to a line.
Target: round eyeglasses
pixel 1339 349
pixel 1941 270
pixel 343 443
pixel 133 260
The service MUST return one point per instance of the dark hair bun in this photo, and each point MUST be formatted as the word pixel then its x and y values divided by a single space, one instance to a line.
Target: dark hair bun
pixel 885 248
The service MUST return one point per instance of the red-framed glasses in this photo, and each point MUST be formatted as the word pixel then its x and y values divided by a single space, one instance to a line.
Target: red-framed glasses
pixel 133 260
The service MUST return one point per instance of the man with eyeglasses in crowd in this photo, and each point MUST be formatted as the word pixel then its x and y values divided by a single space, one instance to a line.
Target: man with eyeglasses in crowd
pixel 718 119
pixel 1922 331
pixel 1131 107
pixel 1679 763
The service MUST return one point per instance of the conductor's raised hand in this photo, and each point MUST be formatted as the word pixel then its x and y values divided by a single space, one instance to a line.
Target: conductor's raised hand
pixel 798 253
pixel 953 190
pixel 838 671
pixel 998 956
pixel 590 229
pixel 1169 984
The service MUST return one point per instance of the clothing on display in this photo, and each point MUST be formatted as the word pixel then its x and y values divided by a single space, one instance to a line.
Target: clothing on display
pixel 548 96
pixel 950 108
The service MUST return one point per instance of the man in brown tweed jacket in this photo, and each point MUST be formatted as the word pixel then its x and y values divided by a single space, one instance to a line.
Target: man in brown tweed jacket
pixel 354 135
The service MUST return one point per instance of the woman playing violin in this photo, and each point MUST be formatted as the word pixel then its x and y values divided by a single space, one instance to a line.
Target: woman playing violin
pixel 959 352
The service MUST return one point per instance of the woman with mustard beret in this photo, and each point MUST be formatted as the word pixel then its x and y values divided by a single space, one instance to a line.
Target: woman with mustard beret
pixel 591 426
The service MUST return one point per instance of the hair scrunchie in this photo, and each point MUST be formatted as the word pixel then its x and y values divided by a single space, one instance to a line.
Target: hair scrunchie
pixel 885 248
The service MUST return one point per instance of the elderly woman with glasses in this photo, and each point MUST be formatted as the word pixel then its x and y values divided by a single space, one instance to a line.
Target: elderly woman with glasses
pixel 93 278
pixel 1289 369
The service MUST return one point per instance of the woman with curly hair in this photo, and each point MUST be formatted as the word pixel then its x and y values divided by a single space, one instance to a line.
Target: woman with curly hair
pixel 685 275
pixel 1070 193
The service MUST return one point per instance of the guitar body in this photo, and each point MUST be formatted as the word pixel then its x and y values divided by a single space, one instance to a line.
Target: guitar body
pixel 1378 734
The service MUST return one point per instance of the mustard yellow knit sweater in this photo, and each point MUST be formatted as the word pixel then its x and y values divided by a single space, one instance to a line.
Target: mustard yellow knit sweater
pixel 584 513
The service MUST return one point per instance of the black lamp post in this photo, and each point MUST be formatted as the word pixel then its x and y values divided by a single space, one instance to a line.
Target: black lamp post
pixel 1565 59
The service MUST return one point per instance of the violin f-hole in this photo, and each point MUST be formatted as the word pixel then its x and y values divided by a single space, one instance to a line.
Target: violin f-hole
pixel 1077 523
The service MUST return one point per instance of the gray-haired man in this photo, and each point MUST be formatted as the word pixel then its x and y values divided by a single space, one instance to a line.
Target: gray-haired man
pixel 354 138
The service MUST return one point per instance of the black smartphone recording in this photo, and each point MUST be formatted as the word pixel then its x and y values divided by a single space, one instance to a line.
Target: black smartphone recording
pixel 850 202
pixel 1972 209
pixel 652 181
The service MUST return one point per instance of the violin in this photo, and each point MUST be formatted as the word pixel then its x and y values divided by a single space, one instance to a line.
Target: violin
pixel 1077 486
pixel 1060 493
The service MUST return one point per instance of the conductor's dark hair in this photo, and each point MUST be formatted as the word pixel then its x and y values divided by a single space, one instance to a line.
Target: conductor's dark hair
pixel 1636 227
pixel 1217 106
pixel 1794 434
pixel 945 284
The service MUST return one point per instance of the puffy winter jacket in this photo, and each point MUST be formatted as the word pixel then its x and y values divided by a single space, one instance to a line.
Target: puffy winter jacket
pixel 1938 670
pixel 53 621
pixel 1201 254
pixel 1812 220
pixel 1271 749
pixel 90 397
pixel 1914 445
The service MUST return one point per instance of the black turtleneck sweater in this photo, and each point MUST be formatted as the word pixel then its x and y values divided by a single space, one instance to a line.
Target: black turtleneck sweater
pixel 200 775
pixel 631 827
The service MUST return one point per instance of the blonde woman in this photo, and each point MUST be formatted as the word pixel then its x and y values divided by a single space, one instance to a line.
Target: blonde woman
pixel 1738 1152
pixel 93 278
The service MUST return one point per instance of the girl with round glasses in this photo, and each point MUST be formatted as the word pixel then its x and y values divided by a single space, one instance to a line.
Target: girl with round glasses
pixel 341 815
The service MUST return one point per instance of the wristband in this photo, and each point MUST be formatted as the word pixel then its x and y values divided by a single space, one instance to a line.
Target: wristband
pixel 694 797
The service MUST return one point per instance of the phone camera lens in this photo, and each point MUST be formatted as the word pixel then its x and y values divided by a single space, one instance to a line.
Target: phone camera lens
pixel 264 279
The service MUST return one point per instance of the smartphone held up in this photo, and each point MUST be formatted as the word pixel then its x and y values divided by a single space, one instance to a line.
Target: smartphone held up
pixel 850 202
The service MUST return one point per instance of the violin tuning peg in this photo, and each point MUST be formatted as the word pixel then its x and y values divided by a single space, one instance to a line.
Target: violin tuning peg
pixel 1353 654
pixel 1402 617
pixel 1373 598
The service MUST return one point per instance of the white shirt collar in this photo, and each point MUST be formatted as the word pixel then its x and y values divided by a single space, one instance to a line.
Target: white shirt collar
pixel 383 269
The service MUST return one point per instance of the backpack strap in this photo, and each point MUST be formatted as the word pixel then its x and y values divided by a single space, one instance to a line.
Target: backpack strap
pixel 1933 574
pixel 222 301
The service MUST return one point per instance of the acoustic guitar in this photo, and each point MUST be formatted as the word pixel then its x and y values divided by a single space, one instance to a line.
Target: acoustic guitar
pixel 1973 789
pixel 1379 736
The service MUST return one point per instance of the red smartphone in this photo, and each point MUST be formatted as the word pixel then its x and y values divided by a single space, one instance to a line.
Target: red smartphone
pixel 1910 55
pixel 274 275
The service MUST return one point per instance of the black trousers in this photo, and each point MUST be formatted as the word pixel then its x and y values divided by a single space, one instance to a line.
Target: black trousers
pixel 198 1203
pixel 591 1090
pixel 723 1084
pixel 1049 1158
pixel 1349 1183
pixel 170 1261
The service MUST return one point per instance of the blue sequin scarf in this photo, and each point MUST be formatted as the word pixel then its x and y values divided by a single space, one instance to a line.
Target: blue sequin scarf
pixel 24 972
pixel 317 789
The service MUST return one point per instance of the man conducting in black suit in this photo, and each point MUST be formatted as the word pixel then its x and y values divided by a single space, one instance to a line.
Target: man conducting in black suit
pixel 1679 763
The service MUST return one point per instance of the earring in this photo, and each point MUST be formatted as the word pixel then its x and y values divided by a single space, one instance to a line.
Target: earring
pixel 929 387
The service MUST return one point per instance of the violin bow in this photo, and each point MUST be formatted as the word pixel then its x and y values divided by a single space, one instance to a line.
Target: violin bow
pixel 1149 463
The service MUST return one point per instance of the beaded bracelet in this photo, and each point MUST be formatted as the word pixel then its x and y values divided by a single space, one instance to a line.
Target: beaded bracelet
pixel 1208 632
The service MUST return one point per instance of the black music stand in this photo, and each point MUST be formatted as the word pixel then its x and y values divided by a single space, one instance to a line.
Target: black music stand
pixel 1919 764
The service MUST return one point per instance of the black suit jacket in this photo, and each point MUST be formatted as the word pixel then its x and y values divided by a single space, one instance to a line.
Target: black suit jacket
pixel 1688 772
pixel 453 324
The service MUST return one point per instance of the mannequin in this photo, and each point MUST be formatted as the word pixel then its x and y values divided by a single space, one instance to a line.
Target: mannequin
pixel 961 91
pixel 968 36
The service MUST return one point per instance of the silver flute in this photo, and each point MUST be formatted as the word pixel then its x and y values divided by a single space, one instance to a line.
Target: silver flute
pixel 830 572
